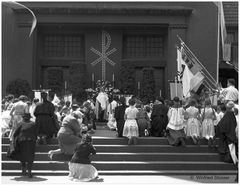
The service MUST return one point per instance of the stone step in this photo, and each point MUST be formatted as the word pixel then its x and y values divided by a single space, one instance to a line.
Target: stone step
pixel 129 165
pixel 123 141
pixel 137 157
pixel 133 148
pixel 127 172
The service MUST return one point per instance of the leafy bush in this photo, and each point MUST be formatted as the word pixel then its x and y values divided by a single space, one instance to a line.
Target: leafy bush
pixel 55 79
pixel 77 81
pixel 147 92
pixel 127 79
pixel 19 87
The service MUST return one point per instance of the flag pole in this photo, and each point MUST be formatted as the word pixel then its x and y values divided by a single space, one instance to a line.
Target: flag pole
pixel 205 75
pixel 208 79
pixel 176 90
pixel 218 30
pixel 190 52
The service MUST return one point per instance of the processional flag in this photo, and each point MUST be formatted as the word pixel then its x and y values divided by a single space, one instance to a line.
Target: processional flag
pixel 197 68
pixel 188 73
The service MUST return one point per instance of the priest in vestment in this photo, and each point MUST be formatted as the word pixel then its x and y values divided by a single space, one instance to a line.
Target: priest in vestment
pixel 101 105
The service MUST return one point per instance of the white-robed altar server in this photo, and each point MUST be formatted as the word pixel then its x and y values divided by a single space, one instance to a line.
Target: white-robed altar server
pixel 101 105
pixel 112 124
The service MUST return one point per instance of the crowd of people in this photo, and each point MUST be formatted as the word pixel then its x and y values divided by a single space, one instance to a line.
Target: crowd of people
pixel 177 120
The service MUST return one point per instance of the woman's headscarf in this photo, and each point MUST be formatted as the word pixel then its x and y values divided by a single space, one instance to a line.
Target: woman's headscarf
pixel 86 139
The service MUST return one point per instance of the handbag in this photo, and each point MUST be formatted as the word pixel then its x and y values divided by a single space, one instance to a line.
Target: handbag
pixel 12 152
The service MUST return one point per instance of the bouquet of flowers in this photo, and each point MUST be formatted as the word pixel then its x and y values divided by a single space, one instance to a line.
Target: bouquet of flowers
pixel 104 85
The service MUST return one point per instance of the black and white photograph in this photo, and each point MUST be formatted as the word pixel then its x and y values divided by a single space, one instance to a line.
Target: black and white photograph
pixel 119 92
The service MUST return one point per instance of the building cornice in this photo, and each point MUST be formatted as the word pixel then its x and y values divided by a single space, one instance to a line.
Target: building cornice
pixel 178 26
pixel 95 10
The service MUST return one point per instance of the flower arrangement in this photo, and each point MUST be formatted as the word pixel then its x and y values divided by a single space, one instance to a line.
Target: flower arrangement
pixel 104 85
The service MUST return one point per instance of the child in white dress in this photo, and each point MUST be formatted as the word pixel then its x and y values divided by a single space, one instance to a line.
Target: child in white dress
pixel 208 116
pixel 193 124
pixel 130 129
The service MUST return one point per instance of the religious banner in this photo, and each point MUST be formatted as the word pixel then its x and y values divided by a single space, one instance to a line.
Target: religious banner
pixel 104 54
pixel 37 94
pixel 176 90
pixel 214 99
pixel 191 62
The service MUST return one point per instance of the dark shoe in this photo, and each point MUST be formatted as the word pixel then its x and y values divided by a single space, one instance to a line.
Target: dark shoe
pixel 167 133
pixel 199 142
pixel 24 169
pixel 135 142
pixel 182 142
pixel 177 142
pixel 30 175
pixel 214 145
pixel 210 143
pixel 29 168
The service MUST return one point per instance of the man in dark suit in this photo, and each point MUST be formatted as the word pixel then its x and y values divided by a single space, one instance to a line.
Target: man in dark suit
pixel 119 115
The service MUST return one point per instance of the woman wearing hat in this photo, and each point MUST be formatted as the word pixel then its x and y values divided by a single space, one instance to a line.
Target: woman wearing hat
pixel 25 139
pixel 80 168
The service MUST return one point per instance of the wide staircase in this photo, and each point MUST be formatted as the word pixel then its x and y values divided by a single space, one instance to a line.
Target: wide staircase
pixel 151 156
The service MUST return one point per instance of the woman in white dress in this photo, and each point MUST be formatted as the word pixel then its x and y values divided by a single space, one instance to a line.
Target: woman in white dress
pixel 6 117
pixel 130 129
pixel 193 123
pixel 80 167
pixel 208 116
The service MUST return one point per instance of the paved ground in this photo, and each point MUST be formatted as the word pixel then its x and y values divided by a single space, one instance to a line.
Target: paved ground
pixel 113 179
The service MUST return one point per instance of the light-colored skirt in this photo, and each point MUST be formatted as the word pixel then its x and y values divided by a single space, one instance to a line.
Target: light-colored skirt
pixel 208 128
pixel 82 172
pixel 16 120
pixel 193 127
pixel 130 128
pixel 112 124
pixel 6 119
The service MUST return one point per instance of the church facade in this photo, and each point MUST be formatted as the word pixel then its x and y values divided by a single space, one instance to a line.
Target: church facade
pixel 103 36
